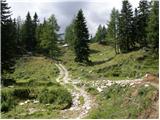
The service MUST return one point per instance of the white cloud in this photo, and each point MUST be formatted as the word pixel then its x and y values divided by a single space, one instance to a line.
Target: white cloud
pixel 96 11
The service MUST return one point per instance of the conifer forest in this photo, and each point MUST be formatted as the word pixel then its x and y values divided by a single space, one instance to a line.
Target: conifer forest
pixel 86 71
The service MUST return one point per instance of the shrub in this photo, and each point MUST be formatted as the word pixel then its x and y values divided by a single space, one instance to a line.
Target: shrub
pixel 7 82
pixel 7 100
pixel 57 96
pixel 92 90
pixel 21 93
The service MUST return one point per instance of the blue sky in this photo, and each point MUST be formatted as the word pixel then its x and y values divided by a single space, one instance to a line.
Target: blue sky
pixel 96 11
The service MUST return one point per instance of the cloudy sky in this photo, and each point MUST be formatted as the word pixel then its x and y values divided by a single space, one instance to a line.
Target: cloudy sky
pixel 96 11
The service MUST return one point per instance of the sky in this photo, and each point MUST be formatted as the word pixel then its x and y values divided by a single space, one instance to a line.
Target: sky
pixel 96 12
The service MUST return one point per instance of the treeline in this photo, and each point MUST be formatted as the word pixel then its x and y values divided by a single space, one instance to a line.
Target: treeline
pixel 28 36
pixel 128 30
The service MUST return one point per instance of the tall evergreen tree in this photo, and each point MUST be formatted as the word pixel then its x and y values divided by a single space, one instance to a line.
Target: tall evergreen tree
pixel 8 36
pixel 48 37
pixel 81 47
pixel 125 40
pixel 143 13
pixel 35 22
pixel 112 30
pixel 136 26
pixel 70 34
pixel 153 27
pixel 28 33
pixel 5 12
pixel 100 34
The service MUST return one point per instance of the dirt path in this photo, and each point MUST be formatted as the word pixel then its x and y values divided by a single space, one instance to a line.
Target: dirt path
pixel 80 111
pixel 76 110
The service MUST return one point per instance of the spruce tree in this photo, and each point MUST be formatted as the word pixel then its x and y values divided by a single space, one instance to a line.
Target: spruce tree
pixel 125 24
pixel 8 36
pixel 28 33
pixel 143 13
pixel 47 34
pixel 112 30
pixel 81 47
pixel 35 22
pixel 70 35
pixel 100 34
pixel 136 26
pixel 153 27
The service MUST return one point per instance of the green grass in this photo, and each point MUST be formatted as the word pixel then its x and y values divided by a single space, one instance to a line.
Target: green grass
pixel 81 99
pixel 119 102
pixel 35 79
pixel 108 65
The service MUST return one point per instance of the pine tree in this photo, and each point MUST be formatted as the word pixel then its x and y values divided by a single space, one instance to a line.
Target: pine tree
pixel 136 32
pixel 143 13
pixel 35 22
pixel 153 27
pixel 8 36
pixel 48 37
pixel 81 47
pixel 5 12
pixel 28 33
pixel 112 30
pixel 70 35
pixel 100 34
pixel 125 24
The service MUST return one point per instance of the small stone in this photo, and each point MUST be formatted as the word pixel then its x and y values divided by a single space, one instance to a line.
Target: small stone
pixel 35 101
pixel 11 86
pixel 131 84
pixel 146 85
pixel 21 103
pixel 99 89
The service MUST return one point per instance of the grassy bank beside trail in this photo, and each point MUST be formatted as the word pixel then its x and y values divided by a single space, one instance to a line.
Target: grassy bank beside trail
pixel 118 102
pixel 108 65
pixel 33 80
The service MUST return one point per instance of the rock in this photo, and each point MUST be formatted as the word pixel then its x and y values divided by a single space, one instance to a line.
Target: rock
pixel 88 107
pixel 27 101
pixel 21 103
pixel 146 85
pixel 32 110
pixel 11 86
pixel 99 89
pixel 131 84
pixel 35 101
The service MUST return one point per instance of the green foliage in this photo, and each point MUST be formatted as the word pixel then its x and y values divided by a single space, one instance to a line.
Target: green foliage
pixel 8 35
pixel 142 19
pixel 92 90
pixel 81 47
pixel 35 71
pixel 112 31
pixel 125 40
pixel 153 27
pixel 107 65
pixel 47 35
pixel 7 100
pixel 56 96
pixel 120 102
pixel 70 35
pixel 100 34
pixel 27 34
pixel 22 93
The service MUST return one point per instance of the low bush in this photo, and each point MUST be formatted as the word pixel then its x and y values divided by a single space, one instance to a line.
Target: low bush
pixel 7 100
pixel 58 96
pixel 92 90
pixel 21 93
pixel 7 82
